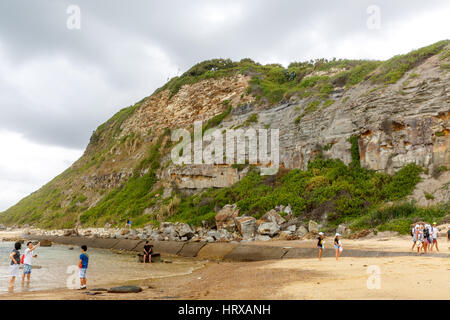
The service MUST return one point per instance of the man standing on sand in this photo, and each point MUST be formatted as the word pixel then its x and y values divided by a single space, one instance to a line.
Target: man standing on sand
pixel 83 265
pixel 27 260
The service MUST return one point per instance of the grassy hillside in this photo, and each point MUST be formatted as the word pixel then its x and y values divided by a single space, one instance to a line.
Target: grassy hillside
pixel 273 83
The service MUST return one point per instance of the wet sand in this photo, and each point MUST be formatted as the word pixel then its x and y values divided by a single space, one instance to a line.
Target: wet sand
pixel 400 278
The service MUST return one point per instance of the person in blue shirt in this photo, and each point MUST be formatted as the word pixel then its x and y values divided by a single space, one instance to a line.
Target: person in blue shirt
pixel 83 265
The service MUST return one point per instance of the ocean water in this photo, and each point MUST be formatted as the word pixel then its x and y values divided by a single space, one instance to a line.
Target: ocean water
pixel 56 267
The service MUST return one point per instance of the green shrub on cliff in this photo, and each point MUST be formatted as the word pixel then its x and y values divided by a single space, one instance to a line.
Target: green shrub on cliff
pixel 393 69
pixel 349 191
pixel 133 196
pixel 403 182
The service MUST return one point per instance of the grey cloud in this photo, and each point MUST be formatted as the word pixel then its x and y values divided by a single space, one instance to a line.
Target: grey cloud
pixel 114 37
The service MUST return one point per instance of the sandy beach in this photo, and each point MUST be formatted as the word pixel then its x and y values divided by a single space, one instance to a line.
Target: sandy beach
pixel 349 278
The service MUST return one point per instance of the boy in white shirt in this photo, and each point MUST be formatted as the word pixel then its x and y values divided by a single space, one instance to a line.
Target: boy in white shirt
pixel 27 260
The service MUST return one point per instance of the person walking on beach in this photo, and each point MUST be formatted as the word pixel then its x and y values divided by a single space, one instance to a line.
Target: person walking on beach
pixel 420 240
pixel 414 233
pixel 427 237
pixel 27 260
pixel 14 265
pixel 148 248
pixel 434 235
pixel 320 244
pixel 83 265
pixel 128 225
pixel 338 246
pixel 430 235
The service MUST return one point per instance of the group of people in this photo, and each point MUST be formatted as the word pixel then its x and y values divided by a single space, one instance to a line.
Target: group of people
pixel 337 245
pixel 26 260
pixel 424 237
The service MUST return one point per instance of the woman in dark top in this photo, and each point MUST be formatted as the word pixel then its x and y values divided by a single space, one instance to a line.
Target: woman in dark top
pixel 15 264
pixel 148 248
pixel 320 244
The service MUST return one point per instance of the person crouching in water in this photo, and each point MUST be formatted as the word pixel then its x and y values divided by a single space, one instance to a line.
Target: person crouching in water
pixel 83 265
pixel 148 248
pixel 320 244
pixel 15 264
pixel 338 246
pixel 27 260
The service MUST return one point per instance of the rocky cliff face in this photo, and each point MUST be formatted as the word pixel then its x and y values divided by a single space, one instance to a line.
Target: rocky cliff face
pixel 394 124
pixel 407 122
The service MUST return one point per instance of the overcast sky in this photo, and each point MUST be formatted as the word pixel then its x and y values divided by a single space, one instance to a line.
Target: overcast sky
pixel 57 84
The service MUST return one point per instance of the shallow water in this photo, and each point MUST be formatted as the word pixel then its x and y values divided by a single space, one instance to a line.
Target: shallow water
pixel 59 268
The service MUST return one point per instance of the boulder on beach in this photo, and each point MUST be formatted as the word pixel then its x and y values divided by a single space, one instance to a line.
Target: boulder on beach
pixel 301 231
pixel 273 216
pixel 185 231
pixel 313 226
pixel 225 217
pixel 125 289
pixel 246 226
pixel 45 243
pixel 269 229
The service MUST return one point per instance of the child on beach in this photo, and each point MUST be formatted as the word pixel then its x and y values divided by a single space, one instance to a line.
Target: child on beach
pixel 320 244
pixel 83 265
pixel 420 240
pixel 15 264
pixel 27 260
pixel 338 246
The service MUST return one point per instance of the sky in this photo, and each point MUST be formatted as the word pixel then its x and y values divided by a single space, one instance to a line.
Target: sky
pixel 68 66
